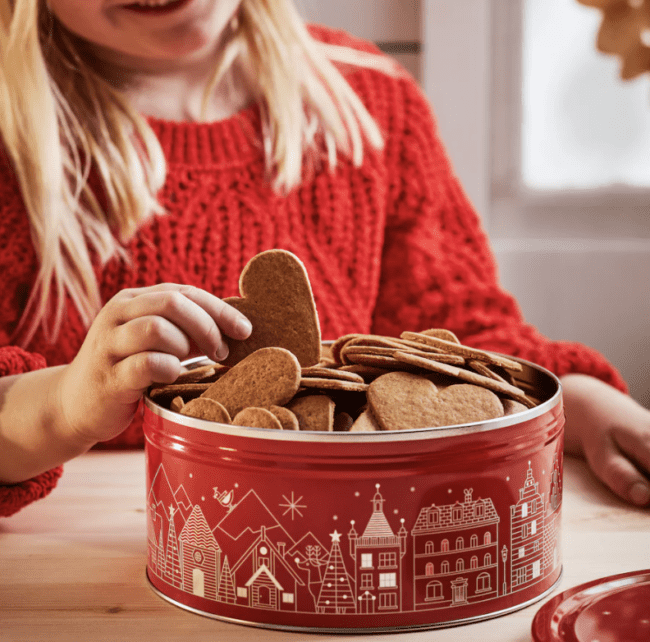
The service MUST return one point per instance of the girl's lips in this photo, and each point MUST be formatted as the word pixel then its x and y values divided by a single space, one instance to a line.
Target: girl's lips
pixel 157 11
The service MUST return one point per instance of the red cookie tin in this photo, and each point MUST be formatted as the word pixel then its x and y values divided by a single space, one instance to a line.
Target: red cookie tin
pixel 357 532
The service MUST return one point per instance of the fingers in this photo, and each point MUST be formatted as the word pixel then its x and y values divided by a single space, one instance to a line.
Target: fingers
pixel 232 322
pixel 133 375
pixel 150 334
pixel 615 469
pixel 634 444
pixel 199 315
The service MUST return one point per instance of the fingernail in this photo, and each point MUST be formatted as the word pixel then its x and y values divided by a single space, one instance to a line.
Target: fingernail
pixel 244 326
pixel 640 493
pixel 222 352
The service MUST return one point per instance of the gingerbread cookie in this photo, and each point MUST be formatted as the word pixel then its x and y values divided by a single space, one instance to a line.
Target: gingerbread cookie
pixel 320 383
pixel 466 375
pixel 402 401
pixel 269 376
pixel 331 373
pixel 365 422
pixel 164 394
pixel 176 404
pixel 314 412
pixel 464 351
pixel 257 418
pixel 205 408
pixel 277 299
pixel 287 419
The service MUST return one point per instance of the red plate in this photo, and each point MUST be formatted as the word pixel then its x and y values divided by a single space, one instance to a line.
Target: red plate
pixel 610 609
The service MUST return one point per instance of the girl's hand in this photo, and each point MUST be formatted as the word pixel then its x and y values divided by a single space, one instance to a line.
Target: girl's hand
pixel 612 432
pixel 138 338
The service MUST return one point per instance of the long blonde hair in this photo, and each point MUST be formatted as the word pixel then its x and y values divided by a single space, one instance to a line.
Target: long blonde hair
pixel 60 118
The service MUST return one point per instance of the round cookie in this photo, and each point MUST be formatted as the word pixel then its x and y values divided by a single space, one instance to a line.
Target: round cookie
pixel 257 418
pixel 204 408
pixel 287 419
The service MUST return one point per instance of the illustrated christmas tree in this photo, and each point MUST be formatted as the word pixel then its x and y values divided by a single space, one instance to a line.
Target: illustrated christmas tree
pixel 173 565
pixel 161 554
pixel 226 591
pixel 336 593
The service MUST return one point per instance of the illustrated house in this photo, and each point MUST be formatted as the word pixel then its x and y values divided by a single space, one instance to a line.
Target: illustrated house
pixel 455 554
pixel 200 556
pixel 551 557
pixel 527 536
pixel 378 554
pixel 264 579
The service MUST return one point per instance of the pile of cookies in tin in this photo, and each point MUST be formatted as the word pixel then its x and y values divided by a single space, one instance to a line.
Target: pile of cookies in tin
pixel 360 383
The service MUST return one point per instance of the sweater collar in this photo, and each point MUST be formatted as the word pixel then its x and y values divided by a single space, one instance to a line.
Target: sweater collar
pixel 225 143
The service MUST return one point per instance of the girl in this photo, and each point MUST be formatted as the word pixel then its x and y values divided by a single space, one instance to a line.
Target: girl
pixel 151 148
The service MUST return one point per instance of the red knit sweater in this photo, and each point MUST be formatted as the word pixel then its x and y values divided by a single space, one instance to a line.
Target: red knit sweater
pixel 389 246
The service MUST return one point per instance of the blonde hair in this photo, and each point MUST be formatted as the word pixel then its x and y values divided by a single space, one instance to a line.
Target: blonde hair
pixel 60 118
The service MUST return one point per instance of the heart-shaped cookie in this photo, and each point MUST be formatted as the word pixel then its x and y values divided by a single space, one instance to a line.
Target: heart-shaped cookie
pixel 268 377
pixel 277 299
pixel 402 401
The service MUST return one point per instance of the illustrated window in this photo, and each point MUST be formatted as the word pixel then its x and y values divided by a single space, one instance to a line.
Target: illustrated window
pixel 434 590
pixel 387 580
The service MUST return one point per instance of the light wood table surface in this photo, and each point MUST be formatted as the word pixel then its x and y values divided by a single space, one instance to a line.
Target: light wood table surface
pixel 72 566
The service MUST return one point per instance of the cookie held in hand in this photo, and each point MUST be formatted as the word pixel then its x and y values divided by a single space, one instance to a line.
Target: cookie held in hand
pixel 277 299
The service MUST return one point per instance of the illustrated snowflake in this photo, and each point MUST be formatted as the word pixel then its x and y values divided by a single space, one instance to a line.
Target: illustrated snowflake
pixel 293 505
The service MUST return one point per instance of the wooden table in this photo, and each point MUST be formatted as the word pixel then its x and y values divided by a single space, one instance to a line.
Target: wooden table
pixel 72 566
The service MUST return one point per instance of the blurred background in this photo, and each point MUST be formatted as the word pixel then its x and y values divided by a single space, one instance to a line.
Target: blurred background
pixel 552 147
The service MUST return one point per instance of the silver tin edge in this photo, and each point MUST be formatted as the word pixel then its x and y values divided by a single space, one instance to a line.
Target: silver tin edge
pixel 365 437
pixel 362 631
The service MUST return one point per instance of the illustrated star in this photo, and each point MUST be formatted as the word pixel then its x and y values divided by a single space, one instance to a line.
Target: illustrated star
pixel 336 537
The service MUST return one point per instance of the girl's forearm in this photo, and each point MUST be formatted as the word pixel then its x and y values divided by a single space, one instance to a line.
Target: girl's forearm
pixel 591 405
pixel 34 436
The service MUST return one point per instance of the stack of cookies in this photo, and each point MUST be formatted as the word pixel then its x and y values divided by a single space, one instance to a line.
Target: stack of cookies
pixel 282 378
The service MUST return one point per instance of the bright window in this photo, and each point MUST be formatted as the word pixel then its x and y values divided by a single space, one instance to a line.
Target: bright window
pixel 387 580
pixel 582 126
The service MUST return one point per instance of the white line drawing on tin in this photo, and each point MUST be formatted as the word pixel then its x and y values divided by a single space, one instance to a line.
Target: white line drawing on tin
pixel 336 593
pixel 200 555
pixel 378 554
pixel 455 553
pixel 264 578
pixel 225 498
pixel 534 531
pixel 292 505
pixel 249 558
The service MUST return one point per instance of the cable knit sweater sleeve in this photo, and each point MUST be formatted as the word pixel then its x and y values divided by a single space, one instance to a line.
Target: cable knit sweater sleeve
pixel 14 257
pixel 437 266
pixel 13 361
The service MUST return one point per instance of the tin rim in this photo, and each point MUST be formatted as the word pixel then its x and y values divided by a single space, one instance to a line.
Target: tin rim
pixel 358 630
pixel 532 373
